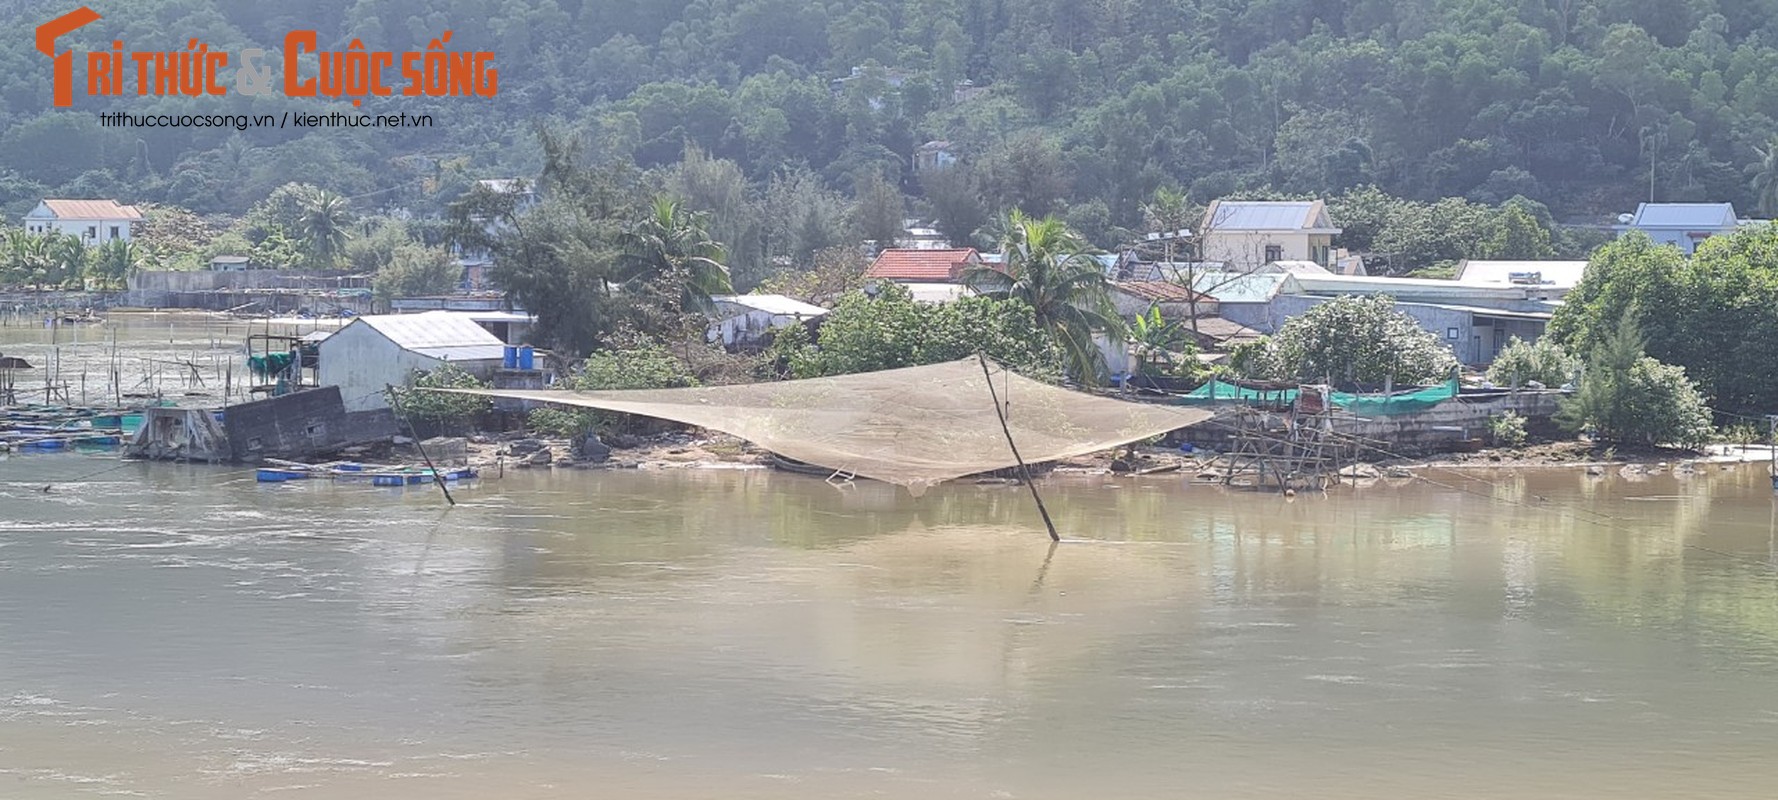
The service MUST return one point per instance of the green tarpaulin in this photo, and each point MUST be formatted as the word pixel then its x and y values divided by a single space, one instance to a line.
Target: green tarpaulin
pixel 1365 405
pixel 270 363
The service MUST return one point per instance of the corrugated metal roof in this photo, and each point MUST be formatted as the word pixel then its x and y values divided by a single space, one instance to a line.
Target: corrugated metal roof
pixel 1173 270
pixel 478 352
pixel 1404 288
pixel 1684 215
pixel 1482 311
pixel 1297 268
pixel 1242 287
pixel 1559 274
pixel 91 209
pixel 436 333
pixel 1261 215
pixel 775 304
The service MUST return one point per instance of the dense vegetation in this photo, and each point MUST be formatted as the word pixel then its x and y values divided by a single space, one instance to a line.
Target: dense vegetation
pixel 1349 340
pixel 1076 107
pixel 1715 314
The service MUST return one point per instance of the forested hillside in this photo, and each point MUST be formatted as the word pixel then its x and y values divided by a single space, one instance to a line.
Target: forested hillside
pixel 1078 107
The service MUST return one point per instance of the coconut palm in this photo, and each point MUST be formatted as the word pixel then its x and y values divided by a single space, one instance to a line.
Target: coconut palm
pixel 116 260
pixel 1051 269
pixel 671 245
pixel 325 223
pixel 28 259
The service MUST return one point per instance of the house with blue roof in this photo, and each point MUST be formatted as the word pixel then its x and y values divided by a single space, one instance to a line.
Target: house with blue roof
pixel 1683 225
pixel 1249 234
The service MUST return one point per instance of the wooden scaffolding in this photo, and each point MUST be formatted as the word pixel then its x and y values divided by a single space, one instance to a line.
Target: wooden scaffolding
pixel 1286 447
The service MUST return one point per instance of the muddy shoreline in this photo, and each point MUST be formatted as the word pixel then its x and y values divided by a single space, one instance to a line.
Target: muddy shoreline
pixel 710 450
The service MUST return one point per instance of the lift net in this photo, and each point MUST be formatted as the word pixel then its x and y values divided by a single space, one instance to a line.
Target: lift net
pixel 914 427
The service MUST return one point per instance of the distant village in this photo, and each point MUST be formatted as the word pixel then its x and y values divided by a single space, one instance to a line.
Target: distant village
pixel 1248 268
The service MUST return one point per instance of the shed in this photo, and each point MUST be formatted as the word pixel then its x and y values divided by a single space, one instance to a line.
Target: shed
pixel 746 320
pixel 372 352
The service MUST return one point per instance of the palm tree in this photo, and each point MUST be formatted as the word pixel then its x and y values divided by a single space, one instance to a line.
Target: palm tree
pixel 68 257
pixel 325 223
pixel 117 260
pixel 1050 268
pixel 671 245
pixel 28 258
pixel 1765 177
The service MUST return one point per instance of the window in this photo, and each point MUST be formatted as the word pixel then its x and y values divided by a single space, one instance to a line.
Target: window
pixel 114 232
pixel 1452 334
pixel 1274 253
pixel 92 231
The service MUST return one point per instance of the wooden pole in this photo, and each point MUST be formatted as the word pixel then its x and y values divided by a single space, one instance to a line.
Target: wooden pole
pixel 1024 471
pixel 436 478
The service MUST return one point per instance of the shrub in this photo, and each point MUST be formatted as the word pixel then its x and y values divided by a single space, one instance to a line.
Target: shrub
pixel 438 412
pixel 1507 429
pixel 643 365
pixel 1350 340
pixel 1543 361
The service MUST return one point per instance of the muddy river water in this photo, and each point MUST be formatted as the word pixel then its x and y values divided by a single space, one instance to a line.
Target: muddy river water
pixel 184 632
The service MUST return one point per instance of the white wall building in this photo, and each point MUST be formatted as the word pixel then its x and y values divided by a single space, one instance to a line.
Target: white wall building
pixel 93 222
pixel 744 320
pixel 373 352
pixel 1252 233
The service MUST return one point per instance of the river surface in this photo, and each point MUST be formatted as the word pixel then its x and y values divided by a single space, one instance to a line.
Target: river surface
pixel 184 632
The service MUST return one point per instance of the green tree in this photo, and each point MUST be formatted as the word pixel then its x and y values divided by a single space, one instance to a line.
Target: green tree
pixel 866 333
pixel 1051 269
pixel 324 225
pixel 416 270
pixel 1349 340
pixel 669 247
pixel 375 246
pixel 957 205
pixel 1517 236
pixel 880 211
pixel 116 260
pixel 1626 396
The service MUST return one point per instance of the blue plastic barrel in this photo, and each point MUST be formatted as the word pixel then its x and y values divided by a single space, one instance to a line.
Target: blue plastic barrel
pixel 527 359
pixel 509 358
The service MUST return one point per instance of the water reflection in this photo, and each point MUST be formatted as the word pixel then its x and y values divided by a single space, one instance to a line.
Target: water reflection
pixel 1542 633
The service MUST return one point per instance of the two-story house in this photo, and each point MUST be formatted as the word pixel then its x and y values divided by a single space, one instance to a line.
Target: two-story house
pixel 1249 234
pixel 93 222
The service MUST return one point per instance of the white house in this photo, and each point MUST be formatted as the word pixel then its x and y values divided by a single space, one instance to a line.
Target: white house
pixel 1683 225
pixel 744 320
pixel 1252 233
pixel 93 222
pixel 373 352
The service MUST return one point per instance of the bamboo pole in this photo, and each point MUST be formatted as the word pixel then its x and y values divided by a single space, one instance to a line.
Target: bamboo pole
pixel 1024 471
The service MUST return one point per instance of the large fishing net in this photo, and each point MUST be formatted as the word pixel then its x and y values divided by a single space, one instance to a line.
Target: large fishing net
pixel 914 427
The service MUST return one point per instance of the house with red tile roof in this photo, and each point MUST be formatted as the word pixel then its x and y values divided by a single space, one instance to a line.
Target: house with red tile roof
pixel 93 222
pixel 904 265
